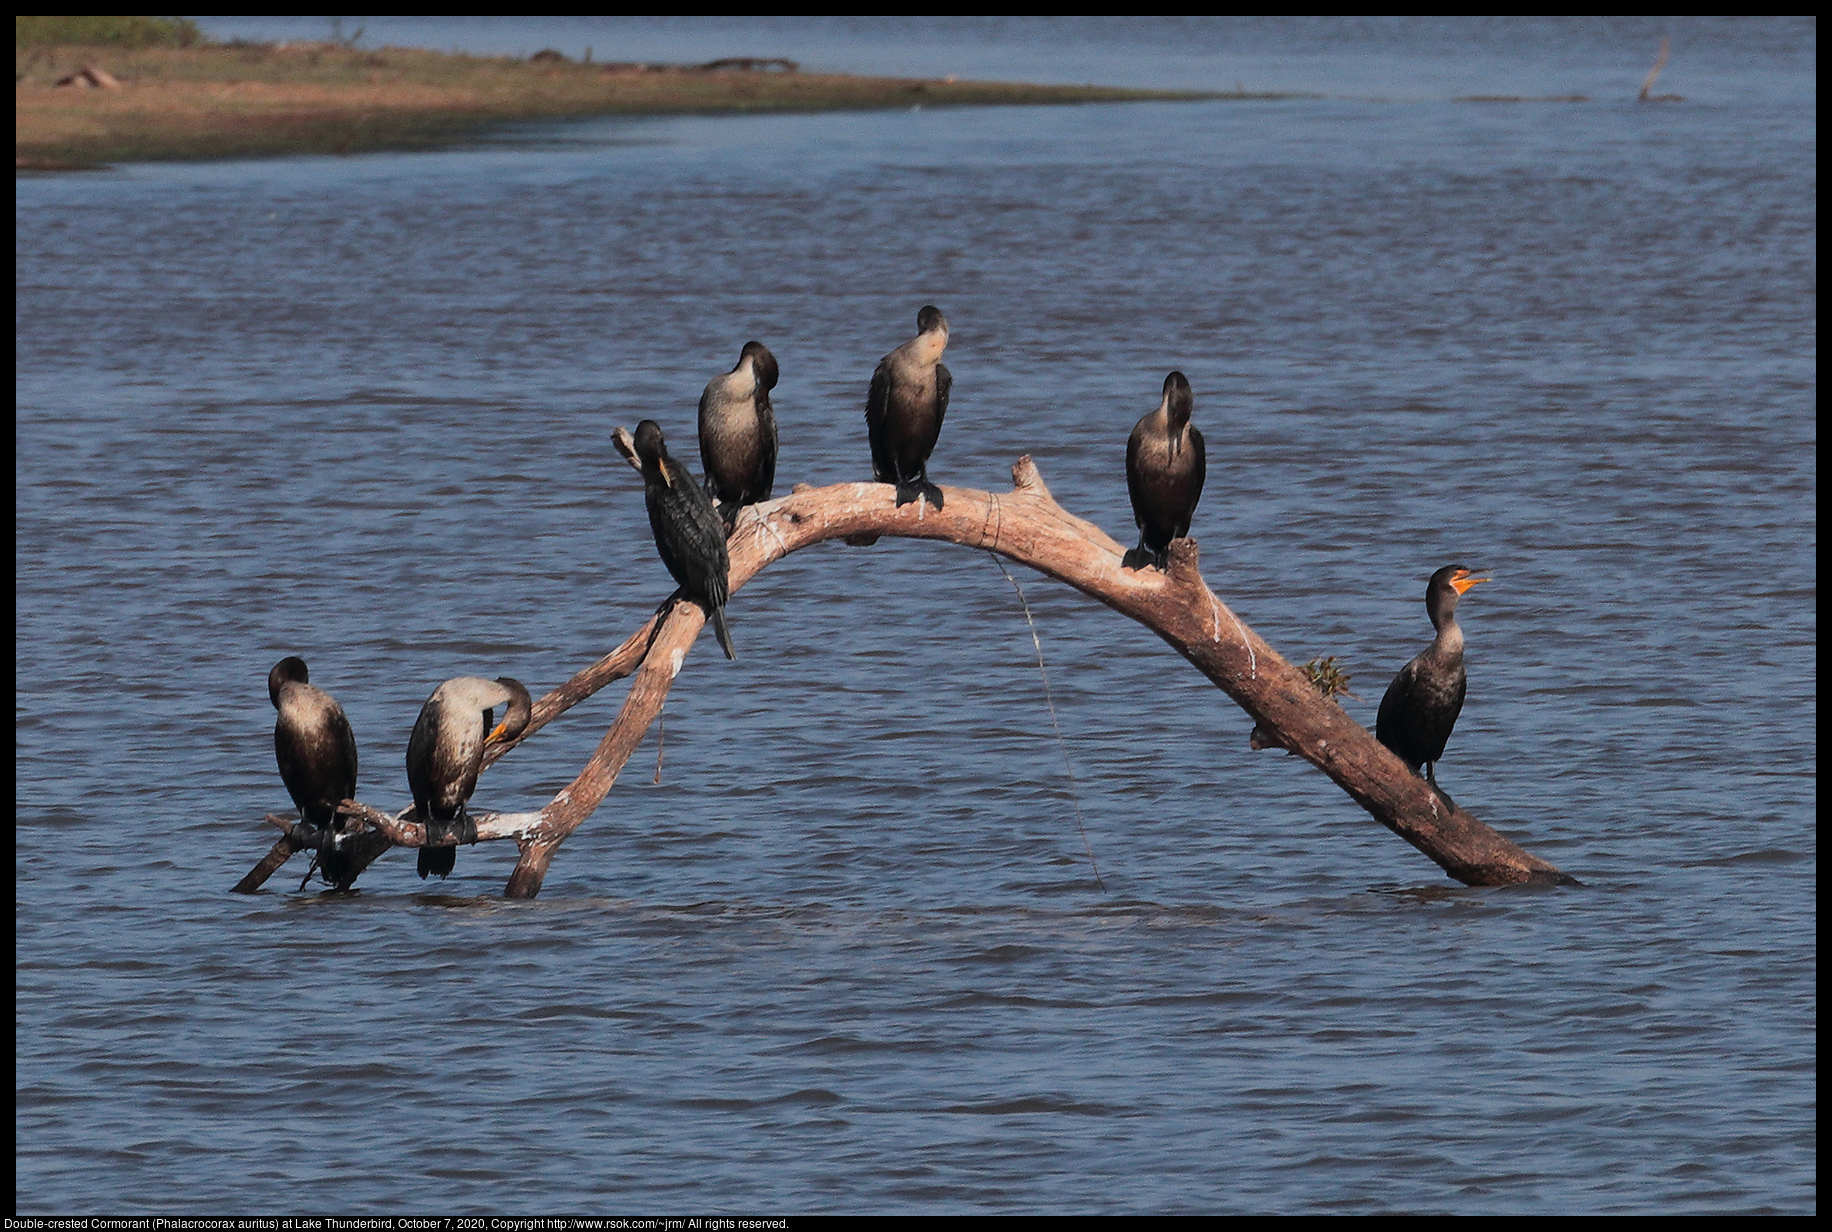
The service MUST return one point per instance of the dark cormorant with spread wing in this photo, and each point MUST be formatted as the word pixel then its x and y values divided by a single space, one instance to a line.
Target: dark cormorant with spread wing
pixel 738 433
pixel 905 409
pixel 445 755
pixel 1165 466
pixel 317 754
pixel 688 533
pixel 1421 705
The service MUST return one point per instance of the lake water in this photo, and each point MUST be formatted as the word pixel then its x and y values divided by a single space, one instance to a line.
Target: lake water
pixel 849 955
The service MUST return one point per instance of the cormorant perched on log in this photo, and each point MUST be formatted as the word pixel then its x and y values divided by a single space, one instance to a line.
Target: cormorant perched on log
pixel 1422 703
pixel 738 433
pixel 1165 465
pixel 445 754
pixel 903 412
pixel 317 754
pixel 688 533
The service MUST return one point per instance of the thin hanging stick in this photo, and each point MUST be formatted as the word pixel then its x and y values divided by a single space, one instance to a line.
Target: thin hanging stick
pixel 661 738
pixel 1048 697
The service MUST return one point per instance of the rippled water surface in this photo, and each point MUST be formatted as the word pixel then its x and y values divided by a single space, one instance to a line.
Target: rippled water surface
pixel 849 954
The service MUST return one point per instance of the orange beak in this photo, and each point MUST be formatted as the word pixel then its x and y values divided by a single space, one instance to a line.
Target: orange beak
pixel 1464 581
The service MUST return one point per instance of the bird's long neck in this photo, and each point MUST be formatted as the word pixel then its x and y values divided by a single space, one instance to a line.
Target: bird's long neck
pixel 1447 647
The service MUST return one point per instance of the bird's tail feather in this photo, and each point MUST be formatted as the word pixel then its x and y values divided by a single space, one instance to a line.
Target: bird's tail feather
pixel 333 863
pixel 437 861
pixel 724 632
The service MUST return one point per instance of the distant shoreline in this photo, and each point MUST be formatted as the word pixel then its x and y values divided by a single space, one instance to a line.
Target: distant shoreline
pixel 244 100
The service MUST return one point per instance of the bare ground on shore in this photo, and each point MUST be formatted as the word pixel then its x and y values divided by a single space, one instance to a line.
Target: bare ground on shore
pixel 235 100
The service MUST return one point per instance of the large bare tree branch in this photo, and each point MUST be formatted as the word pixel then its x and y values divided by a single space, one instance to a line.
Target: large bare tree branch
pixel 1028 526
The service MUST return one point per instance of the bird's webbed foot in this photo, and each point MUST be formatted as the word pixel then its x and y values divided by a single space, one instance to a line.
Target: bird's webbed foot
pixel 918 488
pixel 1142 557
pixel 316 840
pixel 1432 778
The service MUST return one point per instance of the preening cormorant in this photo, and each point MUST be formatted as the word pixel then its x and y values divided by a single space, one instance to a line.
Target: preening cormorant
pixel 317 754
pixel 903 412
pixel 688 533
pixel 445 754
pixel 1165 466
pixel 1422 703
pixel 738 433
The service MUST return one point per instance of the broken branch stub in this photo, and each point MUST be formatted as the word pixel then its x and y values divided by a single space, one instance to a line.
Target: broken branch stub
pixel 1028 526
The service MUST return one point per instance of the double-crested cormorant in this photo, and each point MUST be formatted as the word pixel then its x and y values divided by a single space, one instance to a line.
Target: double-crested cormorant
pixel 688 533
pixel 317 754
pixel 1422 703
pixel 1165 466
pixel 738 433
pixel 903 412
pixel 445 754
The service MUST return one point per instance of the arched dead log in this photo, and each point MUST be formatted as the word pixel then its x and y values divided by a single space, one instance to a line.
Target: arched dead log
pixel 1028 526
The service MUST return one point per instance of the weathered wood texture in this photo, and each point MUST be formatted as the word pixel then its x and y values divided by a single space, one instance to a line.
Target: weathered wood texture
pixel 269 864
pixel 1028 526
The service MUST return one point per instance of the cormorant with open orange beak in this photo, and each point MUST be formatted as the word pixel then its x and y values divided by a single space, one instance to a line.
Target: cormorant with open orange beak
pixel 1423 702
pixel 445 755
pixel 688 533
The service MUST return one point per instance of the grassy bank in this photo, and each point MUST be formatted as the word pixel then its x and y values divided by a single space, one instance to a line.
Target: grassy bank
pixel 238 100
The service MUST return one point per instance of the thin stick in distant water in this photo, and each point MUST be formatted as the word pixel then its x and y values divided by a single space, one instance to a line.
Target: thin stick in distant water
pixel 1049 697
pixel 1666 49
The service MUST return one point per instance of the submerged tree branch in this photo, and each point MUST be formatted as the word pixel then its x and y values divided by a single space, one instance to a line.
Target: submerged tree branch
pixel 1028 526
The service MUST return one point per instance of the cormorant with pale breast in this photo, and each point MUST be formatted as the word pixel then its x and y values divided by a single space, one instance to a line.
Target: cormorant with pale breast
pixel 738 433
pixel 317 754
pixel 1165 466
pixel 688 533
pixel 1422 703
pixel 904 410
pixel 445 755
